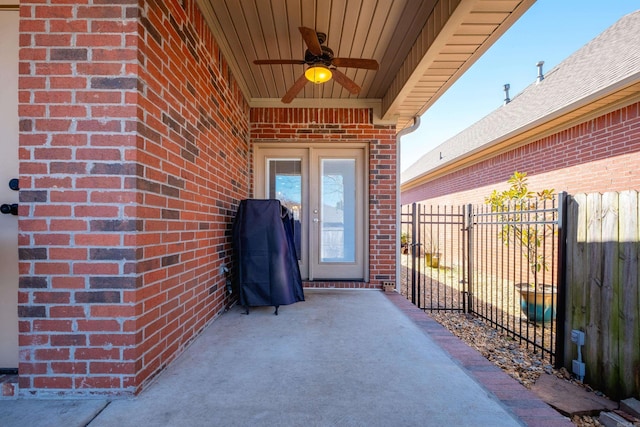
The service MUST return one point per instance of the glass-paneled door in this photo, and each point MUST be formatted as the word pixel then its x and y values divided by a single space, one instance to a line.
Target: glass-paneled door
pixel 325 189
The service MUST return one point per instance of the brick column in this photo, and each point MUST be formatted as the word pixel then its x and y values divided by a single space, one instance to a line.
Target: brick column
pixel 133 158
pixel 77 163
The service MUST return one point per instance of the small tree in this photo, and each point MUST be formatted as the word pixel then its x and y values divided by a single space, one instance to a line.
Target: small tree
pixel 517 210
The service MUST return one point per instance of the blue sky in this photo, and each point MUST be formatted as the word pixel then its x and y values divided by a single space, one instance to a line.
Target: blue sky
pixel 549 31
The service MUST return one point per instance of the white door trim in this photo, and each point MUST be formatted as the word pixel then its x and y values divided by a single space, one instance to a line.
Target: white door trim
pixel 9 165
pixel 271 150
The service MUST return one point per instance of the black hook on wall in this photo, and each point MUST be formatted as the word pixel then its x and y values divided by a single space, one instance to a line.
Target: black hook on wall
pixel 9 208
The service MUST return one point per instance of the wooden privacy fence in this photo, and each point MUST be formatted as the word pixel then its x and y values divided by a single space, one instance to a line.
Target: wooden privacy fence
pixel 603 293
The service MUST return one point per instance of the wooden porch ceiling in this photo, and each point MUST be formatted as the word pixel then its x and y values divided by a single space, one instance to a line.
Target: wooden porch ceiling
pixel 422 47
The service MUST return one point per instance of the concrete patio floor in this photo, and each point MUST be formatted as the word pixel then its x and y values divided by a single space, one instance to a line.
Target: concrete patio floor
pixel 340 358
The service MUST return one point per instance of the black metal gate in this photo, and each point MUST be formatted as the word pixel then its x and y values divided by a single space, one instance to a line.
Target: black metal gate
pixel 434 258
pixel 503 266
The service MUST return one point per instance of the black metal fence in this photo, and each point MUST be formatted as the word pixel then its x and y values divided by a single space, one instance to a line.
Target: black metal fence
pixel 502 265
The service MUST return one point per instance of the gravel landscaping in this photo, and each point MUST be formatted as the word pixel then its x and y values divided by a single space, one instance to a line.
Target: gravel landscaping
pixel 512 356
pixel 516 360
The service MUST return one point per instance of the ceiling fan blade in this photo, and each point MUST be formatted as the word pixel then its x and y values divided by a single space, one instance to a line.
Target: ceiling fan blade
pixel 345 81
pixel 277 61
pixel 369 64
pixel 311 40
pixel 295 89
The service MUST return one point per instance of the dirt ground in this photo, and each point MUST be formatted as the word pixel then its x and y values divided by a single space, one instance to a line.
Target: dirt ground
pixel 494 299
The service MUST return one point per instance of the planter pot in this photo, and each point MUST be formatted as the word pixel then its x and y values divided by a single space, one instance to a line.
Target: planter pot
pixel 432 260
pixel 540 306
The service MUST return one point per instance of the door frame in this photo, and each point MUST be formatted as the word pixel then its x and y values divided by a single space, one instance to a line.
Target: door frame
pixel 9 319
pixel 259 187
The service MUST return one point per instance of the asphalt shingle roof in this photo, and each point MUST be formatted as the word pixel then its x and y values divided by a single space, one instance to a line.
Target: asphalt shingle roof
pixel 609 60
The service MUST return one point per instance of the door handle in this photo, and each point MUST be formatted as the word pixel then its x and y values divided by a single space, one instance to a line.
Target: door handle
pixel 316 220
pixel 9 209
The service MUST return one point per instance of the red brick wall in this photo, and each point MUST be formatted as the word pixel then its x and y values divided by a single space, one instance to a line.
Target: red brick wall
pixel 291 125
pixel 132 161
pixel 192 174
pixel 134 154
pixel 598 155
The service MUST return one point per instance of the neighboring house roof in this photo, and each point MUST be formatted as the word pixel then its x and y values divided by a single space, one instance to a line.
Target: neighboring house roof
pixel 609 64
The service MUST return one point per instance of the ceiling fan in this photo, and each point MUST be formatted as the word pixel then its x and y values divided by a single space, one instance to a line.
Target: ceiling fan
pixel 322 65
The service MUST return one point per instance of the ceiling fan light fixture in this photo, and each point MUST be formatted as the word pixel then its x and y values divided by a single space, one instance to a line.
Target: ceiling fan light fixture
pixel 318 74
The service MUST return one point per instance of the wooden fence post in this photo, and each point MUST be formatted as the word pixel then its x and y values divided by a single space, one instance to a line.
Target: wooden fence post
pixel 561 330
pixel 610 290
pixel 629 295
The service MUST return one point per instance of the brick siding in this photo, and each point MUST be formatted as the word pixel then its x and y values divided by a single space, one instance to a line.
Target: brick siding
pixel 133 158
pixel 597 155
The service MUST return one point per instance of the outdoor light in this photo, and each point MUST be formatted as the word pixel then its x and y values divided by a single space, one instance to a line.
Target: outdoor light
pixel 318 74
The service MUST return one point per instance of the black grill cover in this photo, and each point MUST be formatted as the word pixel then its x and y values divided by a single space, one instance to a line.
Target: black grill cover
pixel 267 271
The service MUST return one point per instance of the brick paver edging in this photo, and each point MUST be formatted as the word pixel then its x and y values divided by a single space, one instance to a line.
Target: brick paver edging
pixel 523 403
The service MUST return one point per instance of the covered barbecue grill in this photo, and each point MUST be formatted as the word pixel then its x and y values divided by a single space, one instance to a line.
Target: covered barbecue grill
pixel 266 264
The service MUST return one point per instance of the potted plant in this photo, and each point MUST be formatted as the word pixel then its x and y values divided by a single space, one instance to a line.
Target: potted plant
pixel 404 243
pixel 516 207
pixel 432 253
